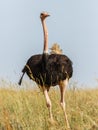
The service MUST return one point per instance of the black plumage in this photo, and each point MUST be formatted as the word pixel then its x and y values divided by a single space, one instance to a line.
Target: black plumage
pixel 48 70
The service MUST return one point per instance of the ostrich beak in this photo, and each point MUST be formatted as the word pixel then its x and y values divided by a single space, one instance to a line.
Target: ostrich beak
pixel 48 14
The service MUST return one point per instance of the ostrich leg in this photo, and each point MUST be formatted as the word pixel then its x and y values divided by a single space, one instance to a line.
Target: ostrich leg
pixel 48 103
pixel 62 86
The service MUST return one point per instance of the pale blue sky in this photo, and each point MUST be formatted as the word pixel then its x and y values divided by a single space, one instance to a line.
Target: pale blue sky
pixel 73 24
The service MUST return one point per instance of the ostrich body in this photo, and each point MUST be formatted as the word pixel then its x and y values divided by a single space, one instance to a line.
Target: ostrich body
pixel 49 70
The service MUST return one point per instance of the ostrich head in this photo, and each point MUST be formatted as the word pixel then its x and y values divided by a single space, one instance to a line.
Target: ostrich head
pixel 43 15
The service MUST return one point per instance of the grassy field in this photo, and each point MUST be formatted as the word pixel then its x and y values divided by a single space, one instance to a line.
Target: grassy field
pixel 25 109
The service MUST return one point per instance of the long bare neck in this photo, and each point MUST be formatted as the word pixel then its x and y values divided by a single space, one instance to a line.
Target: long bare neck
pixel 45 49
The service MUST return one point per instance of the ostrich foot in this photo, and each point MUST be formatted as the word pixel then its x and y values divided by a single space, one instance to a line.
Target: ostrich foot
pixel 52 121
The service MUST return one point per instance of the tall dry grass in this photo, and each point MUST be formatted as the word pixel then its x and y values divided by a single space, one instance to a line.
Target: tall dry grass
pixel 25 109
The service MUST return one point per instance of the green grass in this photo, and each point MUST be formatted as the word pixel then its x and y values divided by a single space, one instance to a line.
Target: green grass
pixel 24 109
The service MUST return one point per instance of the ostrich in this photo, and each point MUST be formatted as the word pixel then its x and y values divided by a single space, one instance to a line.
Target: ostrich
pixel 49 70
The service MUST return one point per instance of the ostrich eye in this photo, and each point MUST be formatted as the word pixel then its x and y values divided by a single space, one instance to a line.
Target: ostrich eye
pixel 41 14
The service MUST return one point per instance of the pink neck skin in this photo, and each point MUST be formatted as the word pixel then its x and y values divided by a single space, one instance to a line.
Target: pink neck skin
pixel 45 49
